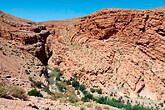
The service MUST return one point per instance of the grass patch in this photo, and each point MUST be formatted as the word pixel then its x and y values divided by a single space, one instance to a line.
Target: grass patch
pixel 10 92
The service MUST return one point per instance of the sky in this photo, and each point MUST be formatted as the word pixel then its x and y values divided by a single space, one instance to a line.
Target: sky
pixel 45 10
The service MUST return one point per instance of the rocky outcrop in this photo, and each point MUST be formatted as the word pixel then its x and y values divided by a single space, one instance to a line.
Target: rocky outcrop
pixel 118 48
pixel 145 28
pixel 32 35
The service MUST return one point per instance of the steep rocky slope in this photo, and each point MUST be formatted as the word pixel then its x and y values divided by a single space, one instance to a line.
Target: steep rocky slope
pixel 121 51
pixel 30 35
pixel 117 50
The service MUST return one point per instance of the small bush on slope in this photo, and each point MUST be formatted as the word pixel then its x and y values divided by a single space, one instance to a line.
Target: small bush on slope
pixel 34 92
pixel 82 87
pixel 9 92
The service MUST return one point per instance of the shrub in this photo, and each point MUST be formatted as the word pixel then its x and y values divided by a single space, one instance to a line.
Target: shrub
pixel 58 78
pixel 90 96
pixel 34 92
pixel 26 71
pixel 161 104
pixel 18 93
pixel 122 85
pixel 68 82
pixel 99 91
pixel 92 90
pixel 7 92
pixel 61 88
pixel 71 100
pixel 75 83
pixel 85 99
pixel 87 46
pixel 85 92
pixel 4 53
pixel 30 79
pixel 82 87
pixel 37 83
pixel 46 89
pixel 76 88
pixel 78 93
pixel 59 74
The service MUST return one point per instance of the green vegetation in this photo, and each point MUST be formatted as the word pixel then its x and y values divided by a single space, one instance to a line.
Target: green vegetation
pixel 35 83
pixel 10 92
pixel 4 53
pixel 90 96
pixel 85 92
pixel 61 87
pixel 46 89
pixel 161 104
pixel 59 74
pixel 68 82
pixel 82 87
pixel 118 104
pixel 87 96
pixel 122 85
pixel 163 79
pixel 126 96
pixel 34 92
pixel 85 99
pixel 99 91
pixel 92 90
pixel 30 78
pixel 78 93
pixel 26 71
pixel 75 83
pixel 87 46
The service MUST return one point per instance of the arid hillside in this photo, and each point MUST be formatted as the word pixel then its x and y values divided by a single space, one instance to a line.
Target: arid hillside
pixel 117 50
pixel 120 51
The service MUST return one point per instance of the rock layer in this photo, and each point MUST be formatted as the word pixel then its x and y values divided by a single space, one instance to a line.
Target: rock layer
pixel 31 35
pixel 121 51
pixel 118 48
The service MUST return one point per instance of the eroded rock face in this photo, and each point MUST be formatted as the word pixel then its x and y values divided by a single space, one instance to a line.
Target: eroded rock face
pixel 111 48
pixel 145 28
pixel 118 48
pixel 17 66
pixel 31 35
